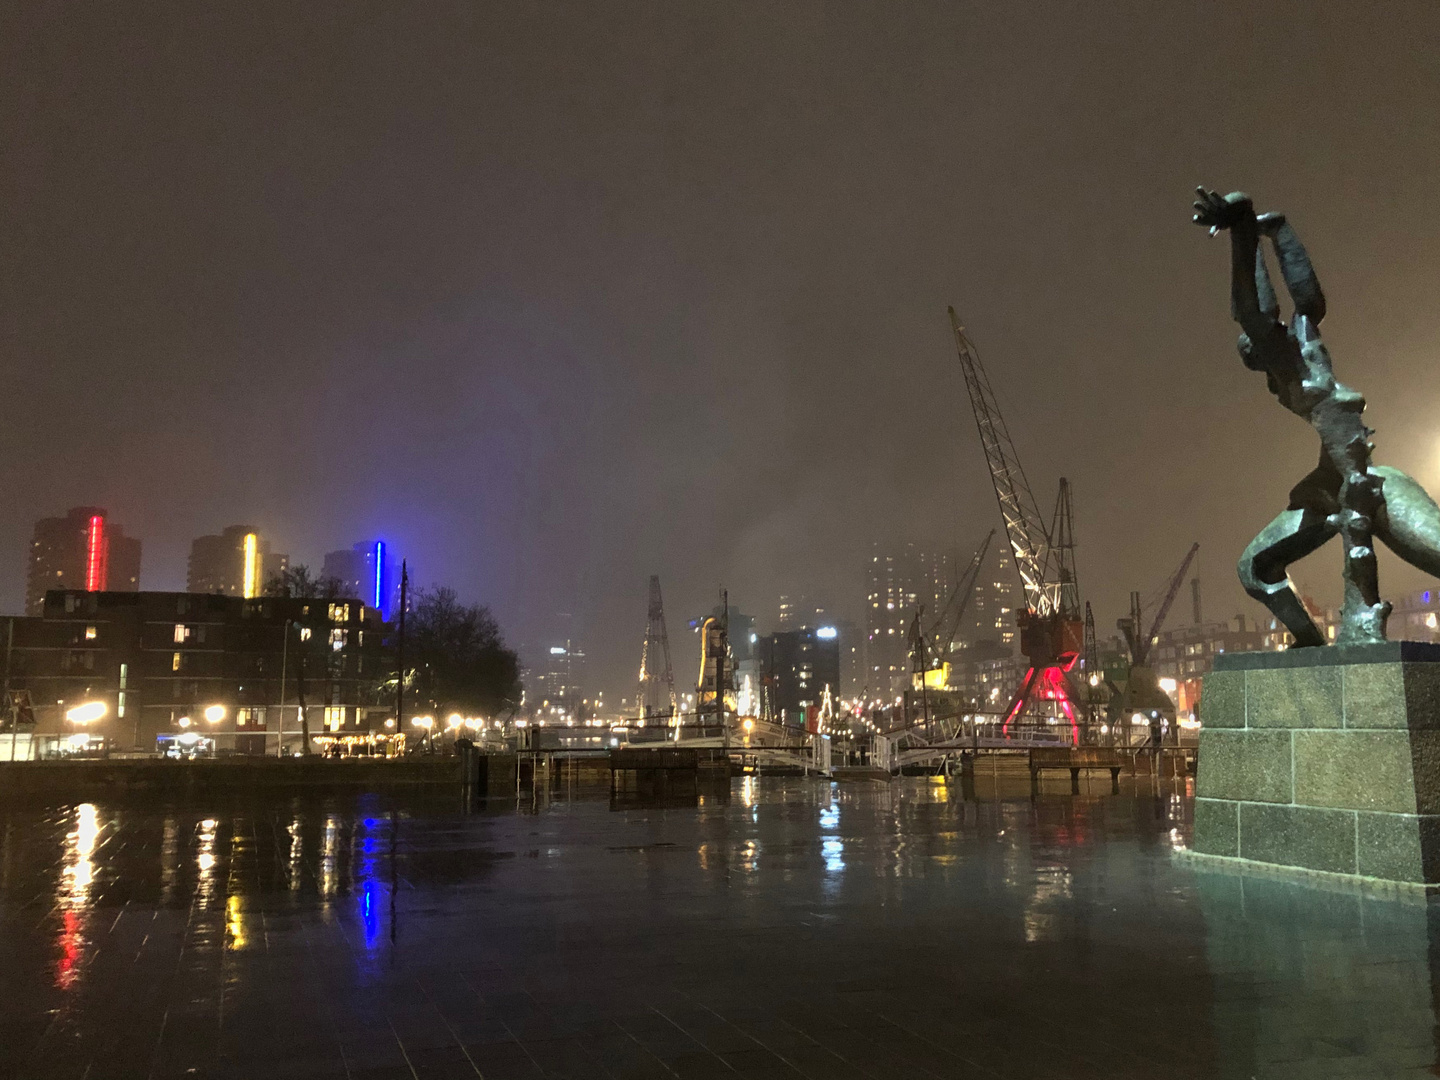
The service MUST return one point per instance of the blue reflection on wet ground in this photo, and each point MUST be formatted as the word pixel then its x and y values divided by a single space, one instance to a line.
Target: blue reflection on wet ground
pixel 795 928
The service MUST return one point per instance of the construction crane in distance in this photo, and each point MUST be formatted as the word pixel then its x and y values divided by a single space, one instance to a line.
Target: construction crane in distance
pixel 1142 697
pixel 1140 640
pixel 1051 625
pixel 930 650
pixel 657 701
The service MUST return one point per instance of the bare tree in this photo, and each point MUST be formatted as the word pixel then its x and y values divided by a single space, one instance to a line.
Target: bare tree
pixel 298 583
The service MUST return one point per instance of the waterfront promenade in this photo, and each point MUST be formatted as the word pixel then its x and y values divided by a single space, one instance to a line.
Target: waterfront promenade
pixel 794 929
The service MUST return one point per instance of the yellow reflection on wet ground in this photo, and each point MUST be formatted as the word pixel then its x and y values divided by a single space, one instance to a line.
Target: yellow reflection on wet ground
pixel 861 929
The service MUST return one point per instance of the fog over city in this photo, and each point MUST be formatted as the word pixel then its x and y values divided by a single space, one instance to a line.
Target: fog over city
pixel 556 297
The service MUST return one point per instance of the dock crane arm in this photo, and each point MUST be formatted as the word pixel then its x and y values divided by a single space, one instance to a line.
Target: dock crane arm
pixel 947 626
pixel 1140 647
pixel 1024 527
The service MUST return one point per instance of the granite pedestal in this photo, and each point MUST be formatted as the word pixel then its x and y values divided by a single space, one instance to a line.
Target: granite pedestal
pixel 1324 760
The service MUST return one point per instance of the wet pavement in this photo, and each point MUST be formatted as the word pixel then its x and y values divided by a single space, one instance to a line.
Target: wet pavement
pixel 794 929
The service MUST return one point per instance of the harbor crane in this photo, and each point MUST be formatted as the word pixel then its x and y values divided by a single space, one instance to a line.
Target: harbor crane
pixel 656 701
pixel 1051 624
pixel 930 649
pixel 1142 696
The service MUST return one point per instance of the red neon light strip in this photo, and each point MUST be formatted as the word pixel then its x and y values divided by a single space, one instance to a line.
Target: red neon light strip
pixel 95 555
pixel 1054 690
pixel 1019 705
pixel 1061 694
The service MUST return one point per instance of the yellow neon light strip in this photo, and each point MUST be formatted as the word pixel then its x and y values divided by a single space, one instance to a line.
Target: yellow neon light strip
pixel 252 564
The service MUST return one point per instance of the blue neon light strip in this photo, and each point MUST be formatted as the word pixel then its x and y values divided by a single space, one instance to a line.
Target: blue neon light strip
pixel 379 573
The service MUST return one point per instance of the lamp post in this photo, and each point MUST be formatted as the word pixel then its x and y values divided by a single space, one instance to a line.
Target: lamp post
pixel 400 650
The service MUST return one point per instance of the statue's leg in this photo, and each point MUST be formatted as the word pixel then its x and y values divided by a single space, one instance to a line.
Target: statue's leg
pixel 1410 522
pixel 1290 537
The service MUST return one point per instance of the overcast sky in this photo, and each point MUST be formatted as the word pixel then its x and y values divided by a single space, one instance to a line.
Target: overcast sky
pixel 557 296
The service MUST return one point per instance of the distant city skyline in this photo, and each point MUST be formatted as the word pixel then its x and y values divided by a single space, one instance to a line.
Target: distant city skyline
pixel 562 297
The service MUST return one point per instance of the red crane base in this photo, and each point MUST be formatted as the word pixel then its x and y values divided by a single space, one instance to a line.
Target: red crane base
pixel 1042 683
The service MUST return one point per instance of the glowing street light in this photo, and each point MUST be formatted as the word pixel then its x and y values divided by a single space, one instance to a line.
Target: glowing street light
pixel 214 714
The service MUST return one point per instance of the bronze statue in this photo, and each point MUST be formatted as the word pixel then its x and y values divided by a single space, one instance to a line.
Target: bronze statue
pixel 1345 493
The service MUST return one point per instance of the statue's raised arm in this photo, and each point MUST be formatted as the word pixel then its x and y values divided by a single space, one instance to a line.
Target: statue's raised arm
pixel 1252 298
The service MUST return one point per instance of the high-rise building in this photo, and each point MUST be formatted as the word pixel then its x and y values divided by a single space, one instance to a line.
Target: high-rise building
pixel 369 570
pixel 557 685
pixel 895 585
pixel 934 579
pixel 889 604
pixel 798 610
pixel 238 562
pixel 82 550
pixel 797 669
pixel 851 643
pixel 997 596
pixel 907 577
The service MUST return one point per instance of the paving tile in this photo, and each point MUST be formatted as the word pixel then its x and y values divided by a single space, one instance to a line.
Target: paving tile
pixel 727 941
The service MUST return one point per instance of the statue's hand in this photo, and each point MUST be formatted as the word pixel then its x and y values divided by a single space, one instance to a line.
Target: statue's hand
pixel 1215 211
pixel 1269 223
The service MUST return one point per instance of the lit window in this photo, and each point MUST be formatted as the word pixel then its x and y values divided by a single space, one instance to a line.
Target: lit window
pixel 340 613
pixel 182 633
pixel 305 633
pixel 337 639
pixel 90 631
pixel 175 662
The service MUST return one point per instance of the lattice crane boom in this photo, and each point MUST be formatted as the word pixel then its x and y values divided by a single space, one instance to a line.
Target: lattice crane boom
pixel 947 626
pixel 657 679
pixel 1172 587
pixel 1024 527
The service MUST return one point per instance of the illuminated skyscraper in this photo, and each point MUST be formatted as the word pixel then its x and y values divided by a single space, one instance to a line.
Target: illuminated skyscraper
pixel 799 611
pixel 238 562
pixel 558 681
pixel 890 599
pixel 797 668
pixel 992 608
pixel 82 550
pixel 369 570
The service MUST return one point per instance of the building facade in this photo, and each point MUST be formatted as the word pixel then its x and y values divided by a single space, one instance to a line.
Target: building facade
pixel 557 683
pixel 891 597
pixel 135 667
pixel 798 668
pixel 370 570
pixel 237 562
pixel 991 615
pixel 82 550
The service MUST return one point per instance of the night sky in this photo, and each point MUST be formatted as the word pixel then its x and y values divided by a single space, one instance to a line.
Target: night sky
pixel 556 296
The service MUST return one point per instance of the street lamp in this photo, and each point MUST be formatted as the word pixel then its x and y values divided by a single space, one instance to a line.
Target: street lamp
pixel 214 714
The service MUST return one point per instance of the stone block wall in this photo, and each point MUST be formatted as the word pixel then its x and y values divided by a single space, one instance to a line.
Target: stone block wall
pixel 1326 759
